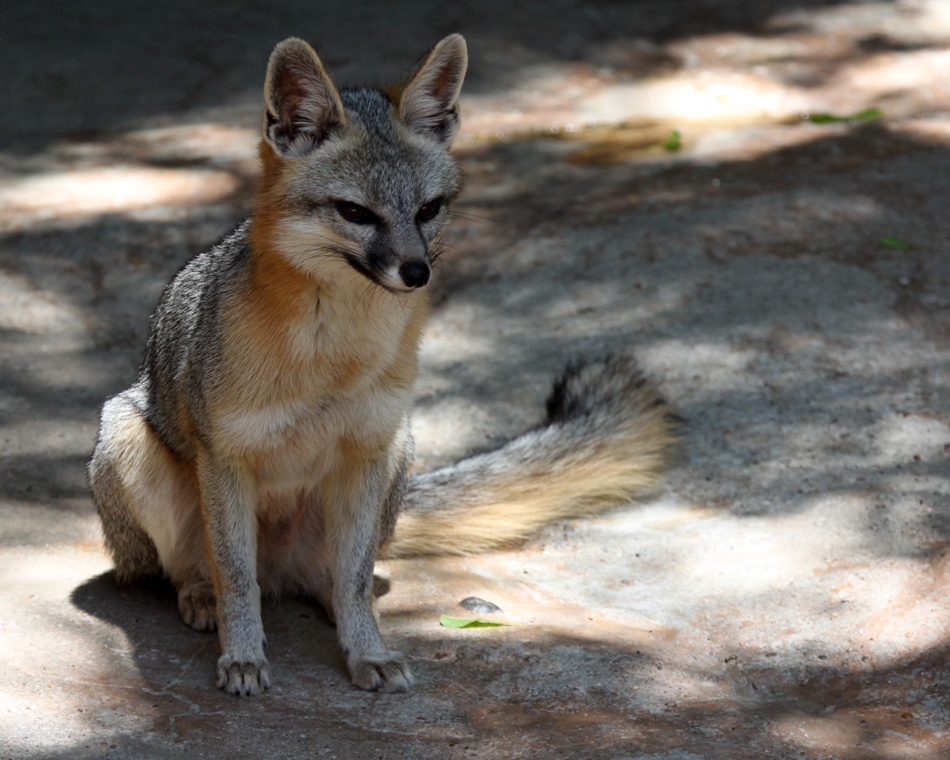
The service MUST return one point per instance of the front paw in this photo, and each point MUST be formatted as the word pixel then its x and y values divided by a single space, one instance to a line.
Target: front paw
pixel 386 671
pixel 243 677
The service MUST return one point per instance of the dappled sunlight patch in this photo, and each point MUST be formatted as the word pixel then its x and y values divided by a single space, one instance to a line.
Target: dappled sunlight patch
pixel 718 557
pixel 907 438
pixel 454 337
pixel 919 73
pixel 934 18
pixel 613 304
pixel 70 718
pixel 515 582
pixel 807 582
pixel 29 310
pixel 936 130
pixel 82 193
pixel 446 428
pixel 44 571
pixel 743 559
pixel 51 437
pixel 887 733
pixel 721 364
pixel 666 513
pixel 69 677
pixel 905 607
pixel 209 143
pixel 703 96
pixel 543 101
pixel 218 144
pixel 750 143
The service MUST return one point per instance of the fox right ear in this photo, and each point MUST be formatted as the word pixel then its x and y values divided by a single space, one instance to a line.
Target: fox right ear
pixel 303 106
pixel 428 103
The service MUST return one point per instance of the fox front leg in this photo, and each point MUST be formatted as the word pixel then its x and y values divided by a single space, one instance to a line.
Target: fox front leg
pixel 228 509
pixel 355 524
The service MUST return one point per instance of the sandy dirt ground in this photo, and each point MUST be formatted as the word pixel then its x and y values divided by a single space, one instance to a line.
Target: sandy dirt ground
pixel 752 196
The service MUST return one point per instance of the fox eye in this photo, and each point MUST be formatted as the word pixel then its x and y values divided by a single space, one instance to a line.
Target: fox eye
pixel 355 213
pixel 429 210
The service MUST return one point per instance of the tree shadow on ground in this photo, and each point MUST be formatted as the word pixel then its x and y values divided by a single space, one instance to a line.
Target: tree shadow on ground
pixel 78 70
pixel 766 300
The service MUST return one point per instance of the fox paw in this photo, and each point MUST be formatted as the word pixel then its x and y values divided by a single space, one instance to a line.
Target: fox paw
pixel 243 678
pixel 387 671
pixel 197 606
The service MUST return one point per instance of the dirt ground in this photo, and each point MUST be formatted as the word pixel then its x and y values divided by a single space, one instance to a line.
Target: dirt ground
pixel 751 195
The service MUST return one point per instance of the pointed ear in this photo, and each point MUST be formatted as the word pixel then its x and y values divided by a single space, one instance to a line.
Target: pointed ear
pixel 303 106
pixel 429 101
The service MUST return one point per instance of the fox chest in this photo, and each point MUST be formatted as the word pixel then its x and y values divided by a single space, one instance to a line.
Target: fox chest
pixel 323 387
pixel 299 440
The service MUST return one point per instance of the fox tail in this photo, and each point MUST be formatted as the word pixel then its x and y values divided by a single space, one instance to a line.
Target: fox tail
pixel 607 438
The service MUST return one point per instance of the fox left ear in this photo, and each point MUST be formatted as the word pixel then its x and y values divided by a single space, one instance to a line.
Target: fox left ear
pixel 429 101
pixel 303 106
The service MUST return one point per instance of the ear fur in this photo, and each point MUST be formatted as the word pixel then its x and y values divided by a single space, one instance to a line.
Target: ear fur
pixel 303 105
pixel 429 101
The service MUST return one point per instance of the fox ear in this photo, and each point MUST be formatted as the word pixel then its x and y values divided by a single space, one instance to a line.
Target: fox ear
pixel 303 106
pixel 429 101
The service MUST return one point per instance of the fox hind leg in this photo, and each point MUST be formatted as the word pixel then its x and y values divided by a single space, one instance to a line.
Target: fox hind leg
pixel 148 502
pixel 134 554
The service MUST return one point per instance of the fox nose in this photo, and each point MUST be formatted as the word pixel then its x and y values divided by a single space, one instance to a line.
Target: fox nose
pixel 414 273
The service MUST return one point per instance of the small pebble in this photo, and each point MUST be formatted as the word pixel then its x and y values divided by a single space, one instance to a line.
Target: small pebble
pixel 475 604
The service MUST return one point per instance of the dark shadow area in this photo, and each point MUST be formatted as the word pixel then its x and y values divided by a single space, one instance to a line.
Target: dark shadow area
pixel 149 607
pixel 147 612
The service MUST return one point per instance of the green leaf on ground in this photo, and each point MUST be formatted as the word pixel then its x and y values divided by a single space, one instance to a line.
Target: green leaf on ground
pixel 674 141
pixel 870 114
pixel 454 622
pixel 893 242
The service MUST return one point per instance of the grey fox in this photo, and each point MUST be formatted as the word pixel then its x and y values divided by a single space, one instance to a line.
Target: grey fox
pixel 265 446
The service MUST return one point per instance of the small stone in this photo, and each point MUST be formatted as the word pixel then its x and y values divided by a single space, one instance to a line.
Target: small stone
pixel 475 604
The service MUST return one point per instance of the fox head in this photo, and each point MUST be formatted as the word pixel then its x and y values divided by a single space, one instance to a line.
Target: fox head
pixel 359 178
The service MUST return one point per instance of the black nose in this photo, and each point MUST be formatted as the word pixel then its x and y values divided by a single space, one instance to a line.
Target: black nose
pixel 414 273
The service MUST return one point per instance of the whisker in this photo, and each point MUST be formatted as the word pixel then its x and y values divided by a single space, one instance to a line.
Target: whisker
pixel 369 287
pixel 469 216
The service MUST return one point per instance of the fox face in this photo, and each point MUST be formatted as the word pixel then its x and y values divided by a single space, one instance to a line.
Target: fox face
pixel 360 178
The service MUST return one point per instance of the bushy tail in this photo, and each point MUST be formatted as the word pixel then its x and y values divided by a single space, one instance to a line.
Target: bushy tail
pixel 607 437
